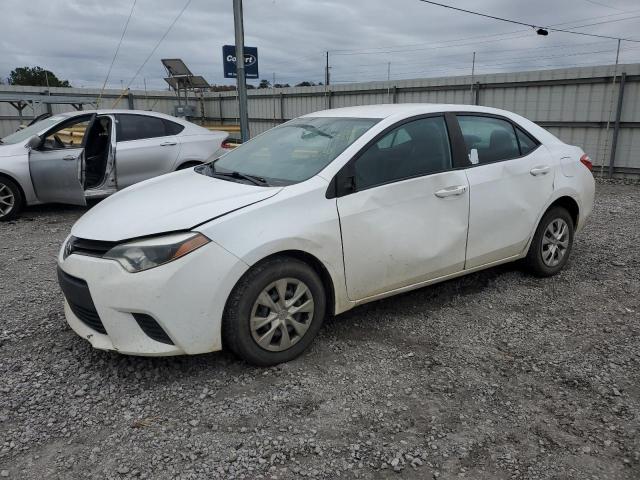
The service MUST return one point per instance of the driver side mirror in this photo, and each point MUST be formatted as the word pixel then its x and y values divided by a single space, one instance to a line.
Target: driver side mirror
pixel 34 142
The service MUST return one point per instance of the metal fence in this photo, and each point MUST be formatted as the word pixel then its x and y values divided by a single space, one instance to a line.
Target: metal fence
pixel 583 106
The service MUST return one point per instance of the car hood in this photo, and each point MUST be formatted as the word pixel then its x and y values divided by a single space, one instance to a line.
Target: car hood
pixel 12 149
pixel 177 201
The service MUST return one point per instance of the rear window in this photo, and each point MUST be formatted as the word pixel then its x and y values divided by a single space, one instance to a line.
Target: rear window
pixel 138 127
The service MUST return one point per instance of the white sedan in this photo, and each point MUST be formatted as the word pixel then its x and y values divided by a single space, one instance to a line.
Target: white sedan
pixel 71 157
pixel 328 211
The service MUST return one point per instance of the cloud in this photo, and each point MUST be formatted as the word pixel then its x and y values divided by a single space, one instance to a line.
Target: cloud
pixel 76 39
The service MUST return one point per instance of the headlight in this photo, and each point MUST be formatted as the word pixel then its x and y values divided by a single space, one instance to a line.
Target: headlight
pixel 142 255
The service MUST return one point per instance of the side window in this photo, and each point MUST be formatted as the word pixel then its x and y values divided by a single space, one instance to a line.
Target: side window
pixel 138 127
pixel 527 144
pixel 488 139
pixel 67 134
pixel 415 148
pixel 172 128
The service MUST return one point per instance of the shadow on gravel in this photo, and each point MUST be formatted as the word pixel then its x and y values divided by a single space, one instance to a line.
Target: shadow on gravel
pixel 430 298
pixel 52 211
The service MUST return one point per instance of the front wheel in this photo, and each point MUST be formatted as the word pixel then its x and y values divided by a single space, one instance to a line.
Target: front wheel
pixel 551 244
pixel 10 199
pixel 274 312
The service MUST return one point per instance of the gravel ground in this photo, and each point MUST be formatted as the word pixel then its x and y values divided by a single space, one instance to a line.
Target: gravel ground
pixel 496 375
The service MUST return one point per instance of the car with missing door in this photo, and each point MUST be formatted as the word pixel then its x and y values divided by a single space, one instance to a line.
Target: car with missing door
pixel 72 157
pixel 314 217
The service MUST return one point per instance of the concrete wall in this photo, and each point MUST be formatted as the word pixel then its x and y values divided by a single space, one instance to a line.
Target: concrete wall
pixel 575 103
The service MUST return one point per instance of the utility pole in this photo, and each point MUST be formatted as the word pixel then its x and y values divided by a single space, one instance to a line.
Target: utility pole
pixel 388 82
pixel 273 88
pixel 146 94
pixel 606 131
pixel 240 75
pixel 326 71
pixel 473 71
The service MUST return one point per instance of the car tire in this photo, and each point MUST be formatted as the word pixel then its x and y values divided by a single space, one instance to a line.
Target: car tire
pixel 551 244
pixel 186 165
pixel 251 317
pixel 11 200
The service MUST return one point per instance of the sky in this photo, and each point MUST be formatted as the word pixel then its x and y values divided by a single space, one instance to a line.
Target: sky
pixel 367 40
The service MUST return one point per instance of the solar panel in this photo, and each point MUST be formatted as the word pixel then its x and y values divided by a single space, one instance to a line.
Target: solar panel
pixel 198 81
pixel 176 67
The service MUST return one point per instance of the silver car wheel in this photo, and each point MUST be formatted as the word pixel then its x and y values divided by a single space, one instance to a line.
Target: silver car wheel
pixel 281 314
pixel 555 242
pixel 7 200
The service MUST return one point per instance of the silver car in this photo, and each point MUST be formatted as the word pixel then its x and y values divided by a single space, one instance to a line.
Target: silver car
pixel 72 157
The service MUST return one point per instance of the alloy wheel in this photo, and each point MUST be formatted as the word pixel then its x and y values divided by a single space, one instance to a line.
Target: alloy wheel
pixel 282 314
pixel 555 242
pixel 7 200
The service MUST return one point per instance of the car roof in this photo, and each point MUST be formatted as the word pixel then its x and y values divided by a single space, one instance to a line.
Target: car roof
pixel 117 111
pixel 389 113
pixel 402 109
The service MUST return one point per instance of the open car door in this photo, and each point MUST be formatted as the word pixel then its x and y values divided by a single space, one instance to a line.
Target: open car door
pixel 57 165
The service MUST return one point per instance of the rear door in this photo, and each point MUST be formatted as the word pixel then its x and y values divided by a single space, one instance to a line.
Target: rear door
pixel 145 148
pixel 510 181
pixel 56 166
pixel 405 219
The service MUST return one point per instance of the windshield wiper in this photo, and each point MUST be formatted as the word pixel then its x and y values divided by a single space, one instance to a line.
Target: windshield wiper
pixel 256 180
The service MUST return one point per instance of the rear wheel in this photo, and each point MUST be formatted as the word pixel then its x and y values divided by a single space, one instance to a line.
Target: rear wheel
pixel 551 244
pixel 10 199
pixel 274 312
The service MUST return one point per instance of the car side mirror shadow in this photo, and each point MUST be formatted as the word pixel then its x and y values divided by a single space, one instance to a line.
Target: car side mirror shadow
pixel 33 142
pixel 349 184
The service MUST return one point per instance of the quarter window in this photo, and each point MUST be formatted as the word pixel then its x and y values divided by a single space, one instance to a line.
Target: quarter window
pixel 488 139
pixel 527 144
pixel 415 148
pixel 138 127
pixel 172 128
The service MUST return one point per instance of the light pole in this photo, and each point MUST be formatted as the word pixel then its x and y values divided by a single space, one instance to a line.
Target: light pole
pixel 240 76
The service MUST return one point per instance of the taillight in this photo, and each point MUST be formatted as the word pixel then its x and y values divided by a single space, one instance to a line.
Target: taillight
pixel 227 144
pixel 586 161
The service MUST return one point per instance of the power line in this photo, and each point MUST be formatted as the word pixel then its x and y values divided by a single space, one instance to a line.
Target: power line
pixel 593 2
pixel 375 50
pixel 175 20
pixel 115 55
pixel 517 22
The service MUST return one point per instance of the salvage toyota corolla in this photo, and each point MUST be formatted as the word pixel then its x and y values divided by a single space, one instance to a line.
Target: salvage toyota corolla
pixel 328 211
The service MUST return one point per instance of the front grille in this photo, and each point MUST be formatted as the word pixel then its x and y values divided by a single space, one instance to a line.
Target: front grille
pixel 93 248
pixel 87 316
pixel 78 296
pixel 152 328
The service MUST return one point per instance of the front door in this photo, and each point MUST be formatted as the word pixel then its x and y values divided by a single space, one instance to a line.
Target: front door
pixel 406 220
pixel 510 182
pixel 57 164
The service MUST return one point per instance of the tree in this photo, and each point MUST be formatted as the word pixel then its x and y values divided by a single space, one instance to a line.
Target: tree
pixel 35 77
pixel 305 84
pixel 281 85
pixel 264 83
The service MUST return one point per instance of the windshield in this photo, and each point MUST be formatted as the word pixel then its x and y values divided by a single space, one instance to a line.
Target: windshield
pixel 30 131
pixel 295 151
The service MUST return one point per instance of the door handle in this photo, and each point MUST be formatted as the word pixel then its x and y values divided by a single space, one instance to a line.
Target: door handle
pixel 541 170
pixel 167 144
pixel 69 157
pixel 451 191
